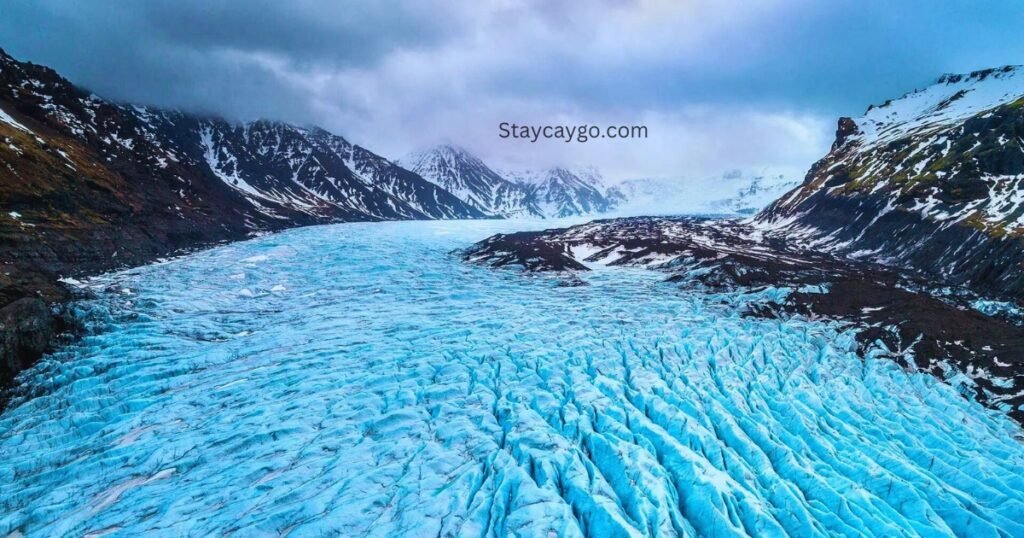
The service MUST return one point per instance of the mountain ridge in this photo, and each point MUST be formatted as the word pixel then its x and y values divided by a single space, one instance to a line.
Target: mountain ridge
pixel 546 193
pixel 564 192
pixel 468 177
pixel 93 185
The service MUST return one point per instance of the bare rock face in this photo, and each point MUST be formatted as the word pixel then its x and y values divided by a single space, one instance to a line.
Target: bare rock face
pixel 846 128
pixel 26 329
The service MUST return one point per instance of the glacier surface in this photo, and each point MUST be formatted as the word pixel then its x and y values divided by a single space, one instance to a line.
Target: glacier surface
pixel 359 380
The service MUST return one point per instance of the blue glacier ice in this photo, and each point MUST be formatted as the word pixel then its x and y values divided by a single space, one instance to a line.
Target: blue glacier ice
pixel 359 380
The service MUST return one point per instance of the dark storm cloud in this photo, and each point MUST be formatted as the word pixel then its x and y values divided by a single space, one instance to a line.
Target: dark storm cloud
pixel 212 55
pixel 835 57
pixel 721 83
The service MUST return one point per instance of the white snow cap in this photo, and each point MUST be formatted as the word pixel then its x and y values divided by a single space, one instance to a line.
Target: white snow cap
pixel 952 99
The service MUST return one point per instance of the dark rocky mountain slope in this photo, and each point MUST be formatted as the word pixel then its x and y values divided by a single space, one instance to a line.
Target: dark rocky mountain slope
pixel 933 181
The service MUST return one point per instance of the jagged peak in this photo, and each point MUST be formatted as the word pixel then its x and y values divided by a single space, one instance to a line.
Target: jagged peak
pixel 7 56
pixel 449 147
pixel 587 175
pixel 40 73
pixel 318 131
pixel 449 150
pixel 960 82
pixel 447 155
pixel 951 100
pixel 979 75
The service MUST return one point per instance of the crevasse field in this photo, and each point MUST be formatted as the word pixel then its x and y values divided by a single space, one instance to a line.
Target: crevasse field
pixel 359 380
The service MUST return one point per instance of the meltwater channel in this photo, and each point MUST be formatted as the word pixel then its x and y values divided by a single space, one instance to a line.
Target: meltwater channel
pixel 360 380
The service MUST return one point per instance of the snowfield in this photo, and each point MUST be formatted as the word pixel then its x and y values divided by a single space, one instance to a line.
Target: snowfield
pixel 736 191
pixel 359 380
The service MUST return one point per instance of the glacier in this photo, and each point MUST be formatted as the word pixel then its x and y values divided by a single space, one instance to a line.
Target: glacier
pixel 360 380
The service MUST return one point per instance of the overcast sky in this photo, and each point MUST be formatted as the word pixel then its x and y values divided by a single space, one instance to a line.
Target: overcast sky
pixel 720 84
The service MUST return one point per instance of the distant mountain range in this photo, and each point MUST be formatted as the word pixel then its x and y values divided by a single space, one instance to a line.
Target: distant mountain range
pixel 463 174
pixel 550 193
pixel 564 192
pixel 93 184
pixel 152 180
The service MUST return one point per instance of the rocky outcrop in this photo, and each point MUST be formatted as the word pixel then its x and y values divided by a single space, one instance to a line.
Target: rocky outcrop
pixel 26 330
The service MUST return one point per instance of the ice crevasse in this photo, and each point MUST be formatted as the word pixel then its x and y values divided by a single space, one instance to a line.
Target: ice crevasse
pixel 359 380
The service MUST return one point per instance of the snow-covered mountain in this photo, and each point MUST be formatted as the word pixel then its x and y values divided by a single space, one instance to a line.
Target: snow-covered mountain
pixel 167 179
pixel 550 193
pixel 562 192
pixel 736 191
pixel 274 170
pixel 276 165
pixel 933 180
pixel 469 178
